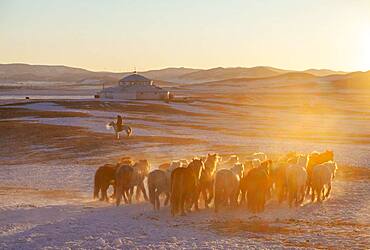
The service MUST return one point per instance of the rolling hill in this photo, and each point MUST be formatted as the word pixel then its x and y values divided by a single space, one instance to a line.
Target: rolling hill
pixel 228 73
pixel 25 72
pixel 16 73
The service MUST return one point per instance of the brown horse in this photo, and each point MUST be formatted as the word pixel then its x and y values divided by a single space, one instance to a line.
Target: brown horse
pixel 227 186
pixel 296 179
pixel 258 185
pixel 278 175
pixel 248 166
pixel 316 158
pixel 141 170
pixel 207 178
pixel 184 186
pixel 104 177
pixel 158 183
pixel 322 175
pixel 124 175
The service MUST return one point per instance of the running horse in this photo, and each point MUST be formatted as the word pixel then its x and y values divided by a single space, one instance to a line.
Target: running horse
pixel 118 130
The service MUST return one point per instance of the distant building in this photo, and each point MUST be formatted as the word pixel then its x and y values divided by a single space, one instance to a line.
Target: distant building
pixel 135 87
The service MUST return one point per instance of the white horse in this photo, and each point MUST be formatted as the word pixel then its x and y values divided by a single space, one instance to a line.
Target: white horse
pixel 322 175
pixel 296 179
pixel 125 128
pixel 227 186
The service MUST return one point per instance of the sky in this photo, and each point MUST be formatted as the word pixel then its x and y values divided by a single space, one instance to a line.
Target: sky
pixel 121 35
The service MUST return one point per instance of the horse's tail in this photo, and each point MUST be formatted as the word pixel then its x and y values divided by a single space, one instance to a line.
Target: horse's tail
pixel 96 187
pixel 108 126
pixel 129 130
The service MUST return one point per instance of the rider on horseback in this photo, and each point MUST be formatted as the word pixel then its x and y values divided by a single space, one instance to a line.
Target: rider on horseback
pixel 119 123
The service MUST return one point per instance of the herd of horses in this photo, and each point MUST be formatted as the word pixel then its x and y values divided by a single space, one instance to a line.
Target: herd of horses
pixel 226 183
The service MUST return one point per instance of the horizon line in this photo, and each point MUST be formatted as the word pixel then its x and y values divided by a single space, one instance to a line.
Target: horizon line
pixel 179 67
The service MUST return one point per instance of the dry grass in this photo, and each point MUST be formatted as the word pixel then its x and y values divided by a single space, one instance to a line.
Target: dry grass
pixel 8 113
pixel 72 144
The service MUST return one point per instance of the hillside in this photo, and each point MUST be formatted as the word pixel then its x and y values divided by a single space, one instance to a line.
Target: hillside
pixel 355 80
pixel 25 72
pixel 227 73
pixel 324 72
pixel 297 82
pixel 18 73
pixel 296 76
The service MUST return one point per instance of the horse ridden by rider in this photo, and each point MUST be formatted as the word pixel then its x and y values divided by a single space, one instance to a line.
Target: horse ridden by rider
pixel 118 127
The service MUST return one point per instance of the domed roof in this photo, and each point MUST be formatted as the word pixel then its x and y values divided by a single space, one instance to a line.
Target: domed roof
pixel 135 78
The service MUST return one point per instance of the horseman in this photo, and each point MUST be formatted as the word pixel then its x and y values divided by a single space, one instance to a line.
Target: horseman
pixel 119 123
pixel 119 126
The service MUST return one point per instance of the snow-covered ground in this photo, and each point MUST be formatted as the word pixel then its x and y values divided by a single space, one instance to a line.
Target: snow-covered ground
pixel 42 221
pixel 208 129
pixel 48 204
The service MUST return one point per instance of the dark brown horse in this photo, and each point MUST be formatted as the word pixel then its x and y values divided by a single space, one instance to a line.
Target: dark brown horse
pixel 258 185
pixel 124 174
pixel 185 186
pixel 104 177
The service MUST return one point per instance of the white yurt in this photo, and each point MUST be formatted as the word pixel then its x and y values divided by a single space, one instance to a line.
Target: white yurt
pixel 135 87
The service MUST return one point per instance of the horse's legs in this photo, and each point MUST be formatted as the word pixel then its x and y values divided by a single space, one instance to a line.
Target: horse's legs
pixel 182 201
pixel 210 191
pixel 249 200
pixel 259 203
pixel 279 193
pixel 173 206
pixel 323 192
pixel 297 196
pixel 138 193
pixel 129 193
pixel 285 193
pixel 242 197
pixel 217 200
pixel 194 199
pixel 102 197
pixel 114 191
pixel 312 195
pixel 158 204
pixel 290 198
pixel 309 186
pixel 301 194
pixel 328 192
pixel 234 201
pixel 118 194
pixel 204 195
pixel 104 192
pixel 254 205
pixel 141 188
pixel 167 199
pixel 319 192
